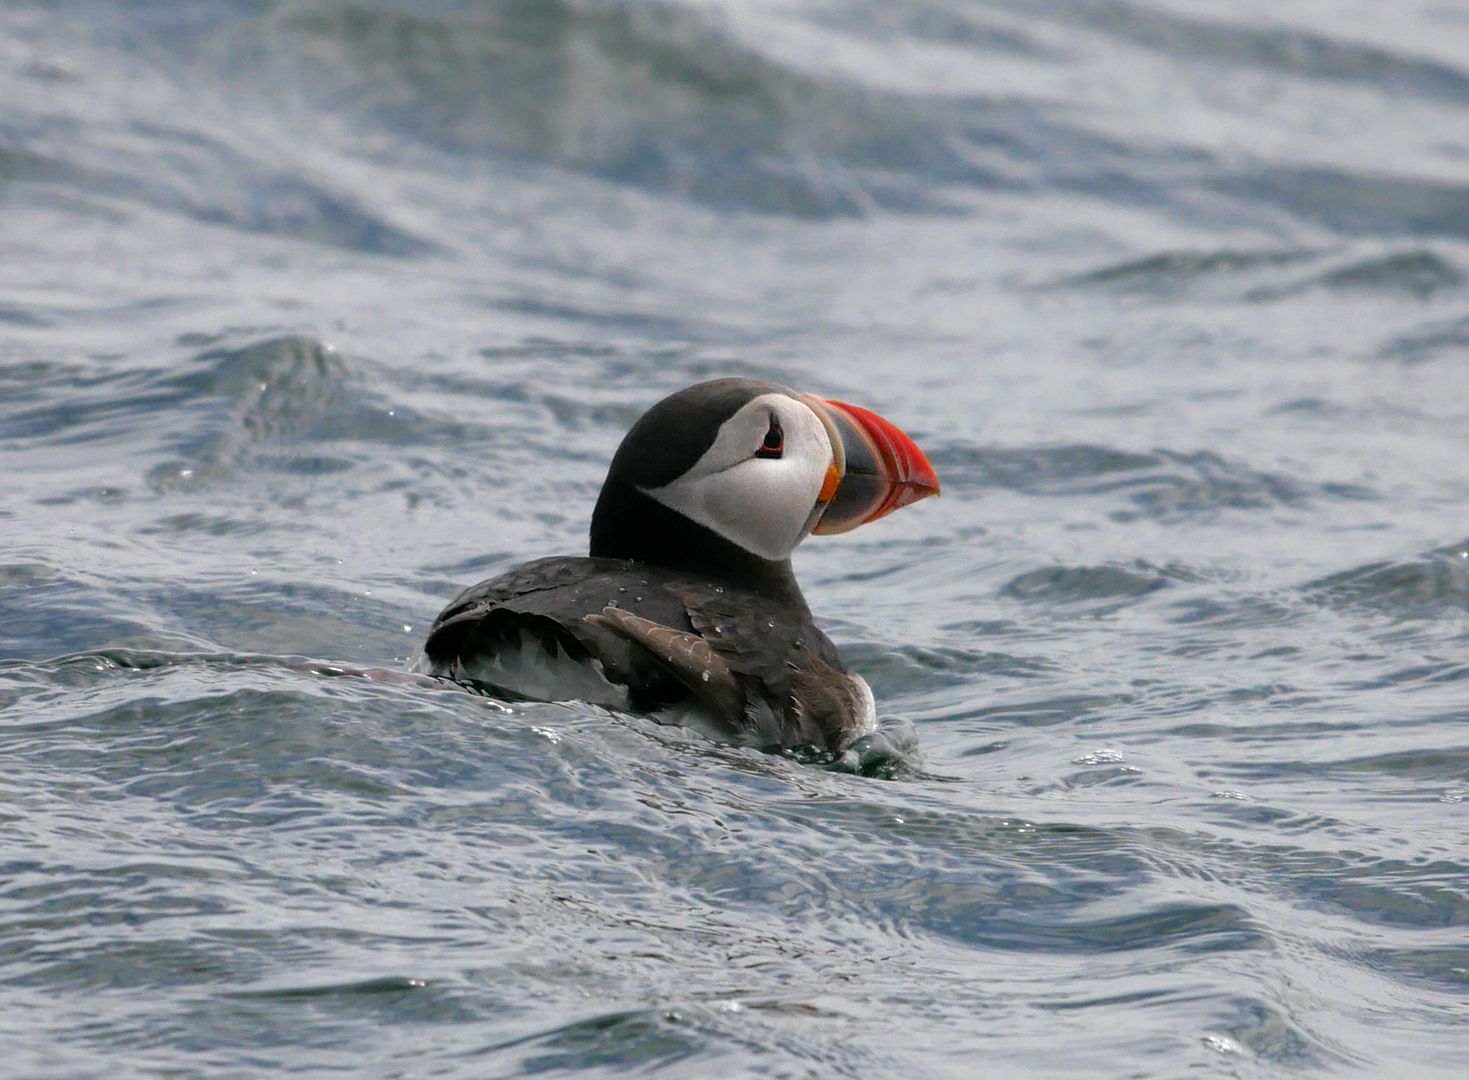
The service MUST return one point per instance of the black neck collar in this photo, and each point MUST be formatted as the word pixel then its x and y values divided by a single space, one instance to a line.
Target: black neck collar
pixel 627 524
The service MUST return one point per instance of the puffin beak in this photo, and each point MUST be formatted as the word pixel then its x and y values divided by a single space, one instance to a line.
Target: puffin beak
pixel 876 469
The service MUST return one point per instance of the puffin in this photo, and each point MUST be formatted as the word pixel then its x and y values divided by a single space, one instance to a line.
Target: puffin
pixel 686 608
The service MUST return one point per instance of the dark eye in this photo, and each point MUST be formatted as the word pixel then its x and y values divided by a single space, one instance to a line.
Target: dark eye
pixel 774 441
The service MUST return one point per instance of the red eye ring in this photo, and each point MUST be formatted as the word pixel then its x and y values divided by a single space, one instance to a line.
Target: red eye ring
pixel 774 441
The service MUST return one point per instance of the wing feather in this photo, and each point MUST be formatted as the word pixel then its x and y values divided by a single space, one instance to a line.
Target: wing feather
pixel 684 655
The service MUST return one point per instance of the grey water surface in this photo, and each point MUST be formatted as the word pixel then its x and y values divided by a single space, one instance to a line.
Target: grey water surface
pixel 312 313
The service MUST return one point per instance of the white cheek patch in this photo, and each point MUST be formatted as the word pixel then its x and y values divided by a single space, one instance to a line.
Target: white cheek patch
pixel 762 504
pixel 760 508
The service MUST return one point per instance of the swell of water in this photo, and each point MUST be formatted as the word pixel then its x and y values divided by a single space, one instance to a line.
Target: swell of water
pixel 315 312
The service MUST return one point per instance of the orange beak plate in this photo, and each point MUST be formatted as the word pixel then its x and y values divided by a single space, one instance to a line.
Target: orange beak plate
pixel 879 468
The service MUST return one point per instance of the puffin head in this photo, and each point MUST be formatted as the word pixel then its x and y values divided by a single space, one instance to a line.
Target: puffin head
pixel 757 467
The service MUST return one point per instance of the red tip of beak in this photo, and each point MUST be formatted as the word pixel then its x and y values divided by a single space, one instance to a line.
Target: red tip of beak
pixel 885 469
